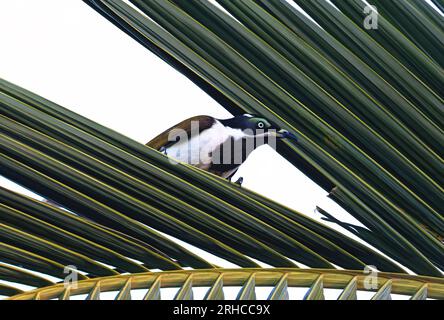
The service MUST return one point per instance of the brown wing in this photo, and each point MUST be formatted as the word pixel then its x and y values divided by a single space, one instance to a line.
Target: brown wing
pixel 161 140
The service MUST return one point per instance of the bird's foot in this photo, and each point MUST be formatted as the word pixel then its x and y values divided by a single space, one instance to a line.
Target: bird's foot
pixel 239 181
pixel 163 150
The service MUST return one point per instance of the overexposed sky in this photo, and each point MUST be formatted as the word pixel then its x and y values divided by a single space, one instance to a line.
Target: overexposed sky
pixel 68 53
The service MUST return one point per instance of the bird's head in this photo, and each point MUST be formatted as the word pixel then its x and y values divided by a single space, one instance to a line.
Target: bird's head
pixel 253 125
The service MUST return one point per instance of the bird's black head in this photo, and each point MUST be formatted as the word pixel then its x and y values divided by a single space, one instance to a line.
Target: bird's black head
pixel 257 125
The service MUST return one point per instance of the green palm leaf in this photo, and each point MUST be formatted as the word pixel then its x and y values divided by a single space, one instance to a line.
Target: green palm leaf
pixel 248 222
pixel 329 152
pixel 368 109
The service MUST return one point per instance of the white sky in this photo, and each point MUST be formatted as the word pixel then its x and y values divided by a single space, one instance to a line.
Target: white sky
pixel 67 53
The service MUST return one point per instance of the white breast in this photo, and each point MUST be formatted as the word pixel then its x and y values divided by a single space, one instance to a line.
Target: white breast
pixel 197 150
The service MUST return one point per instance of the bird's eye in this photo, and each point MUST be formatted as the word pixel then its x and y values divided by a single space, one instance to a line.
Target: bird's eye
pixel 260 125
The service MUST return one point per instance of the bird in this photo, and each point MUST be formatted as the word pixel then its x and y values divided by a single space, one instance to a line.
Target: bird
pixel 219 146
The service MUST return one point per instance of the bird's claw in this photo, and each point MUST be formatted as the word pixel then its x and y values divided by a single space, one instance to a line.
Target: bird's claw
pixel 239 181
pixel 163 150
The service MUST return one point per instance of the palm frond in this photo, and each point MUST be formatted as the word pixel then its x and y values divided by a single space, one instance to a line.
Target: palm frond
pixel 127 191
pixel 353 136
pixel 250 280
pixel 366 106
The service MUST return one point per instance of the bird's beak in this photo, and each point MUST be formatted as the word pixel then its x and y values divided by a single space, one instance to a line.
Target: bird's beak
pixel 284 134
